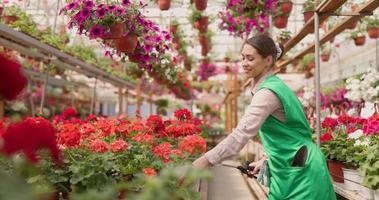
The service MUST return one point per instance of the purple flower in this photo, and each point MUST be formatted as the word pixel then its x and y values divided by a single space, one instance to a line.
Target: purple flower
pixel 96 31
pixel 120 11
pixel 100 13
pixel 112 7
pixel 88 4
pixel 125 2
pixel 85 13
pixel 148 48
pixel 72 6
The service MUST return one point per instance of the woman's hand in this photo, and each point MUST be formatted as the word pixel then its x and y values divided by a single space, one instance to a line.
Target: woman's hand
pixel 257 165
pixel 201 162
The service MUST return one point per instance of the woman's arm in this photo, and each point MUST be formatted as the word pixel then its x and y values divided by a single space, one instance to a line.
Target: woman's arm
pixel 263 103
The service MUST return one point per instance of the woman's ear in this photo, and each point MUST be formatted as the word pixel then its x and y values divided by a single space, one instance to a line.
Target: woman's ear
pixel 270 60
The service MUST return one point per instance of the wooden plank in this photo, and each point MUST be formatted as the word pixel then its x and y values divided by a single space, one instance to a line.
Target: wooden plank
pixel 203 189
pixel 256 188
pixel 328 6
pixel 368 7
pixel 51 81
pixel 352 195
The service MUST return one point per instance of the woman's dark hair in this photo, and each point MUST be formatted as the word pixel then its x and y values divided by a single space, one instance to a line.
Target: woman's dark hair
pixel 266 46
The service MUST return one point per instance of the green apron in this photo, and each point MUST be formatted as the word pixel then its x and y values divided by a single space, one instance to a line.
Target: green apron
pixel 281 140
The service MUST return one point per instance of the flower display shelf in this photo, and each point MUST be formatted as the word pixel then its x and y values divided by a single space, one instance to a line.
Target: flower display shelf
pixel 348 194
pixel 19 41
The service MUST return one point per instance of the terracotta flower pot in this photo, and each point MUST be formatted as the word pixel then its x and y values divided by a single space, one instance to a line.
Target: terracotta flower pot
pixel 115 31
pixel 286 7
pixel 173 28
pixel 280 21
pixel 164 4
pixel 201 4
pixel 352 25
pixel 307 16
pixel 325 57
pixel 308 74
pixel 187 64
pixel 360 40
pixel 335 170
pixel 226 59
pixel 373 32
pixel 203 41
pixel 204 50
pixel 10 19
pixel 202 24
pixel 1 10
pixel 311 66
pixel 127 43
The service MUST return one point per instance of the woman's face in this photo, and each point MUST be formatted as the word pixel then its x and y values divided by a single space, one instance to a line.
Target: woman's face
pixel 253 63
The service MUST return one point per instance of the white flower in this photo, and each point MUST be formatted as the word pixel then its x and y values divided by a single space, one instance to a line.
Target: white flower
pixel 363 142
pixel 356 134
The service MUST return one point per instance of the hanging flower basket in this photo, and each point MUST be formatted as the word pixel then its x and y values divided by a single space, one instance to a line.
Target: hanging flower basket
pixel 201 4
pixel 115 31
pixel 286 7
pixel 164 4
pixel 325 57
pixel 281 21
pixel 173 28
pixel 202 24
pixel 373 32
pixel 127 43
pixel 360 40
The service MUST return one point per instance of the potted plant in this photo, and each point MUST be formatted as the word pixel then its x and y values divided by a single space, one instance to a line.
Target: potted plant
pixel 285 6
pixel 201 4
pixel 358 37
pixel 308 8
pixel 284 37
pixel 240 18
pixel 164 4
pixel 373 28
pixel 173 26
pixel 281 19
pixel 353 8
pixel 325 53
pixel 199 21
pixel 205 41
pixel 10 14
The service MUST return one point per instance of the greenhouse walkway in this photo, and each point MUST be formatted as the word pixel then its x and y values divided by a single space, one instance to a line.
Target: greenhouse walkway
pixel 228 183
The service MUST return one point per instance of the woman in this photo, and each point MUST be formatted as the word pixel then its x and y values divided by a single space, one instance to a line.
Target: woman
pixel 297 167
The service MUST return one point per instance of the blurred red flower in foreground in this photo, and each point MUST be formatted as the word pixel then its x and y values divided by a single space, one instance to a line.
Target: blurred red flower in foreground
pixel 12 80
pixel 29 136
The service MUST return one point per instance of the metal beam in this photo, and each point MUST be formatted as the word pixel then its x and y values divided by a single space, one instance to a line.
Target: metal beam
pixel 368 7
pixel 326 6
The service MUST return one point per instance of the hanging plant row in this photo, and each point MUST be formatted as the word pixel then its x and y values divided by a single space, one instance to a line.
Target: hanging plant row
pixel 282 14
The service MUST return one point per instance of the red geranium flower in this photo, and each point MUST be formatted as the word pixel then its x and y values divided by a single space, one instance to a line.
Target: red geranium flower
pixel 119 145
pixel 183 114
pixel 177 152
pixel 163 151
pixel 143 138
pixel 99 146
pixel 69 113
pixel 329 123
pixel 326 137
pixel 149 172
pixel 193 144
pixel 29 136
pixel 69 135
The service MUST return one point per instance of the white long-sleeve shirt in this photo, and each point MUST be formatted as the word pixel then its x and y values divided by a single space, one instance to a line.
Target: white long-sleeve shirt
pixel 263 104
